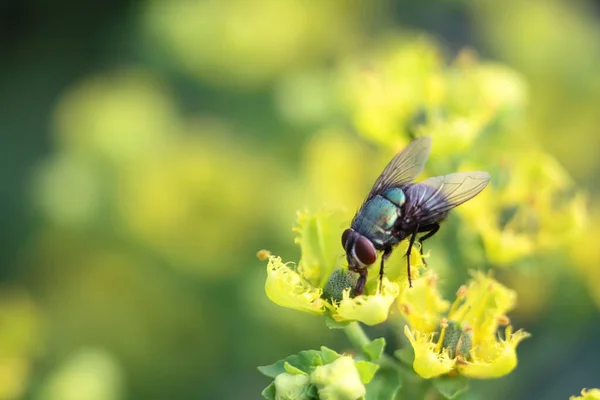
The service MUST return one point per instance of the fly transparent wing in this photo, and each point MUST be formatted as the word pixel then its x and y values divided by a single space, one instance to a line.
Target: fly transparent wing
pixel 404 167
pixel 452 190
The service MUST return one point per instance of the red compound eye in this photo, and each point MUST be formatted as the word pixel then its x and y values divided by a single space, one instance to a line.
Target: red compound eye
pixel 365 251
pixel 345 237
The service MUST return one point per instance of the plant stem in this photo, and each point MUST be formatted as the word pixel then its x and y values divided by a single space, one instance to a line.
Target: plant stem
pixel 356 335
pixel 359 338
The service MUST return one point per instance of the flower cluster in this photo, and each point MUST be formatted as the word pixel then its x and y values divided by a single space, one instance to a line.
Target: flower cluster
pixel 408 86
pixel 461 338
pixel 318 374
pixel 471 108
pixel 403 90
pixel 447 339
pixel 321 284
pixel 530 206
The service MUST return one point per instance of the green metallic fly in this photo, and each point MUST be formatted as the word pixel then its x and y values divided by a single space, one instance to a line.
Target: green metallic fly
pixel 396 209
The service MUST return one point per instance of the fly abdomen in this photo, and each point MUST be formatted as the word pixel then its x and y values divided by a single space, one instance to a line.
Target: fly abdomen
pixel 422 201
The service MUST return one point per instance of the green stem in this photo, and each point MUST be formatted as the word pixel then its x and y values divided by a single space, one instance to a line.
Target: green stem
pixel 356 335
pixel 359 338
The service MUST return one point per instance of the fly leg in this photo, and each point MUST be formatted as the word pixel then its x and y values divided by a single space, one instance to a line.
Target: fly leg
pixel 386 253
pixel 431 230
pixel 410 245
pixel 360 283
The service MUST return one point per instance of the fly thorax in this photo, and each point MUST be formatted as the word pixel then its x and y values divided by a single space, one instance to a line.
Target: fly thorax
pixel 396 196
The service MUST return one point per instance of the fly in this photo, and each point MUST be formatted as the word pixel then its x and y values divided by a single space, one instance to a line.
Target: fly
pixel 396 208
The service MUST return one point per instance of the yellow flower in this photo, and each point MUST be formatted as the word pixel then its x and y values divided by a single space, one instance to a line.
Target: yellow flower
pixel 493 358
pixel 531 205
pixel 467 342
pixel 287 288
pixel 422 306
pixel 370 310
pixel 485 302
pixel 587 394
pixel 246 44
pixel 428 363
pixel 318 285
pixel 404 77
pixel 408 87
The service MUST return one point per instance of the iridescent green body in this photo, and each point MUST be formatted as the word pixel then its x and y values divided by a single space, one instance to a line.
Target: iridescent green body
pixel 377 217
pixel 396 208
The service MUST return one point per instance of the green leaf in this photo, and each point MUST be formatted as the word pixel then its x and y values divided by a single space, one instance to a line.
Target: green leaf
pixel 328 356
pixel 406 355
pixel 304 361
pixel 290 369
pixel 374 350
pixel 366 370
pixel 385 385
pixel 450 387
pixel 269 392
pixel 333 324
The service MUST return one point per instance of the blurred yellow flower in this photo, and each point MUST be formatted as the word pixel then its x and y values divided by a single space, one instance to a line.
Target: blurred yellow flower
pixel 249 43
pixel 334 166
pixel 585 253
pixel 404 88
pixel 186 201
pixel 119 117
pixel 20 331
pixel 303 287
pixel 57 179
pixel 388 88
pixel 467 341
pixel 482 89
pixel 531 205
pixel 93 374
pixel 587 394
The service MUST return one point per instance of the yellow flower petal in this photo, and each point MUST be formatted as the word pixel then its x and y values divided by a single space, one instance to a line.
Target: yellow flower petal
pixel 428 363
pixel 587 394
pixel 486 301
pixel 319 236
pixel 395 267
pixel 369 309
pixel 422 306
pixel 287 288
pixel 493 359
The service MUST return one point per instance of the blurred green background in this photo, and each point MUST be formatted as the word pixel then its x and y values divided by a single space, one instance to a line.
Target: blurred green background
pixel 150 148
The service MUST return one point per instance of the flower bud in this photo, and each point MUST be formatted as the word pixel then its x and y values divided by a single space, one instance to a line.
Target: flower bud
pixel 291 387
pixel 339 380
pixel 340 280
pixel 262 255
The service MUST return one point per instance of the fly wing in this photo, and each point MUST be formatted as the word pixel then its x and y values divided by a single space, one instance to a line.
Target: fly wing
pixel 442 193
pixel 404 167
